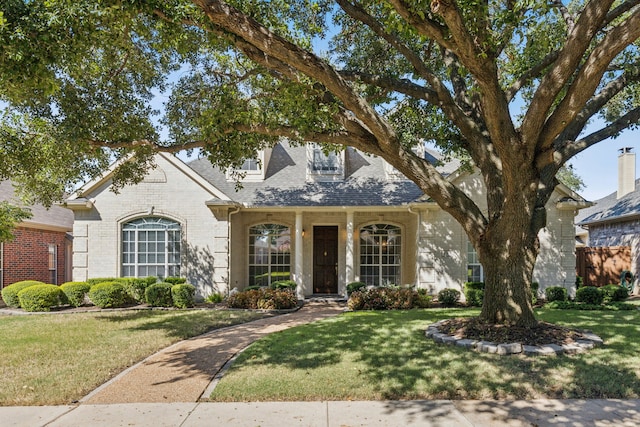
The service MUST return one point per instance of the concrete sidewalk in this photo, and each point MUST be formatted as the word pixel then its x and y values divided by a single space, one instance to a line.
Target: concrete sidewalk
pixel 578 413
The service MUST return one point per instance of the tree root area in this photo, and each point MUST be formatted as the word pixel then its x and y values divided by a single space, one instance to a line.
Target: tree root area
pixel 543 333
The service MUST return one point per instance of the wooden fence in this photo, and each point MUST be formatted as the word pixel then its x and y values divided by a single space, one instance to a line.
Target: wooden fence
pixel 600 266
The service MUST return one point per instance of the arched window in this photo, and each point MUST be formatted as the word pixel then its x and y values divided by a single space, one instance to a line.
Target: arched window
pixel 269 254
pixel 151 247
pixel 380 249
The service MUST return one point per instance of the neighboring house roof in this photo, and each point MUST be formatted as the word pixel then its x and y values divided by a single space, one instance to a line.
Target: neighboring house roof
pixel 54 217
pixel 611 209
pixel 285 184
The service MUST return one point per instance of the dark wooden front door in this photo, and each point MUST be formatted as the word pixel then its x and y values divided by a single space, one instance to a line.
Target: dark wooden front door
pixel 325 260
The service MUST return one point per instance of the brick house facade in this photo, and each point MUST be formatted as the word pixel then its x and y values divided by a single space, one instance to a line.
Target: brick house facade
pixel 42 247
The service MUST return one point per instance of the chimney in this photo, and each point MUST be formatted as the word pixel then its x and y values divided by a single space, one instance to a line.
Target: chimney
pixel 626 172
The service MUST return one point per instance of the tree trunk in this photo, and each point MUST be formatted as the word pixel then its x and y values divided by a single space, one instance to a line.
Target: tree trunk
pixel 507 294
pixel 508 255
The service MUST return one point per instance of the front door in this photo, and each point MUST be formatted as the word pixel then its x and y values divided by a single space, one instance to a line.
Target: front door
pixel 325 260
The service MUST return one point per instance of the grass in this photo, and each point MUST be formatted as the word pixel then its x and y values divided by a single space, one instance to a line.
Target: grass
pixel 57 359
pixel 384 355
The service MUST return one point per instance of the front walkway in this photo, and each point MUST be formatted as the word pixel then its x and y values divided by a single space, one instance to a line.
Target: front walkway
pixel 183 371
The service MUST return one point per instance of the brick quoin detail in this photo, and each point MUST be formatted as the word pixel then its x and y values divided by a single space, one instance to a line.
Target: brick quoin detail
pixel 27 256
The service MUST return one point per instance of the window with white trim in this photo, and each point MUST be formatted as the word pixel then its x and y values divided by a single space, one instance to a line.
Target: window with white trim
pixel 151 247
pixel 53 264
pixel 269 254
pixel 475 272
pixel 380 254
pixel 324 165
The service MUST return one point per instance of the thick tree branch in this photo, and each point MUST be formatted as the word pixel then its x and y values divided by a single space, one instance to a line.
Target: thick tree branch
pixel 532 73
pixel 597 103
pixel 427 27
pixel 613 129
pixel 569 57
pixel 589 77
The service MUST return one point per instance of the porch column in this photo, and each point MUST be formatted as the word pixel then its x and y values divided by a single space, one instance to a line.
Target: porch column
pixel 297 270
pixel 350 253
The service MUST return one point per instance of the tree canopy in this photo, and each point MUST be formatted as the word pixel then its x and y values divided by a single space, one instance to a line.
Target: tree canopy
pixel 510 84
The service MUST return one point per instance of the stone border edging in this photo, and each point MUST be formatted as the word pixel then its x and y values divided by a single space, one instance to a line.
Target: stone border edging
pixel 589 342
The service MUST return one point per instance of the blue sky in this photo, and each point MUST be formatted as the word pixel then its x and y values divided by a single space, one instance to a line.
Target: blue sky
pixel 598 165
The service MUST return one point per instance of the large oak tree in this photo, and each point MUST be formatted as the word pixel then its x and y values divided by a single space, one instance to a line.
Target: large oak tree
pixel 508 84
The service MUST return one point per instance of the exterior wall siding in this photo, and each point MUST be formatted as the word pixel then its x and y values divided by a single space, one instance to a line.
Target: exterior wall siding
pixel 27 256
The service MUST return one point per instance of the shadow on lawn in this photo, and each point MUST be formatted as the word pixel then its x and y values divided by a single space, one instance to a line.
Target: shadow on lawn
pixel 404 364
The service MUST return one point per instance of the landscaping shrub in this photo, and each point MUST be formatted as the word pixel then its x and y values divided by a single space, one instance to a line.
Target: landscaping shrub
pixel 10 293
pixel 108 294
pixel 614 293
pixel 135 287
pixel 449 297
pixel 535 286
pixel 95 281
pixel 214 298
pixel 474 293
pixel 388 298
pixel 555 293
pixel 284 284
pixel 175 280
pixel 355 286
pixel 590 295
pixel 159 295
pixel 75 292
pixel 424 299
pixel 183 295
pixel 40 297
pixel 263 298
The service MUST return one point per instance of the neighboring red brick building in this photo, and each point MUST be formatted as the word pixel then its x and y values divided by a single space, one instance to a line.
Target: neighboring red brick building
pixel 42 248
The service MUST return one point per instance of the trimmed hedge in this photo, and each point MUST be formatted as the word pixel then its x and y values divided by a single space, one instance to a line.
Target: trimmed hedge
pixel 555 293
pixel 388 298
pixel 10 293
pixel 183 295
pixel 449 297
pixel 263 298
pixel 75 292
pixel 590 295
pixel 614 293
pixel 108 294
pixel 40 297
pixel 159 295
pixel 570 305
pixel 175 280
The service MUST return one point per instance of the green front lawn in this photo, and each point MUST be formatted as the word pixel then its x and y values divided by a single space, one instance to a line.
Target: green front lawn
pixel 59 358
pixel 385 355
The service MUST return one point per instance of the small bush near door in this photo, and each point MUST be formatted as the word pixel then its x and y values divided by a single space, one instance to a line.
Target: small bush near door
pixel 555 293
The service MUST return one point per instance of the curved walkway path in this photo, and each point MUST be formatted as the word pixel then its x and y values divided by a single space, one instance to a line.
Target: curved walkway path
pixel 183 371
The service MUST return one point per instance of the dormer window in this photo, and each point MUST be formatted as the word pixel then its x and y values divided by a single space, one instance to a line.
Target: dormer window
pixel 324 166
pixel 252 170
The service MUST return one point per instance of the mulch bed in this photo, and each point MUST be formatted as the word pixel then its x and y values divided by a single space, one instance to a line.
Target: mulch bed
pixel 543 333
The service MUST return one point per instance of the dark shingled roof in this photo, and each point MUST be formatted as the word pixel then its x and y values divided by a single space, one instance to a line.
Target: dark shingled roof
pixel 55 216
pixel 286 183
pixel 610 208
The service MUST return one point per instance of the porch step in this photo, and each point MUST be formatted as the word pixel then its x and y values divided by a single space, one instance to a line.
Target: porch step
pixel 326 299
